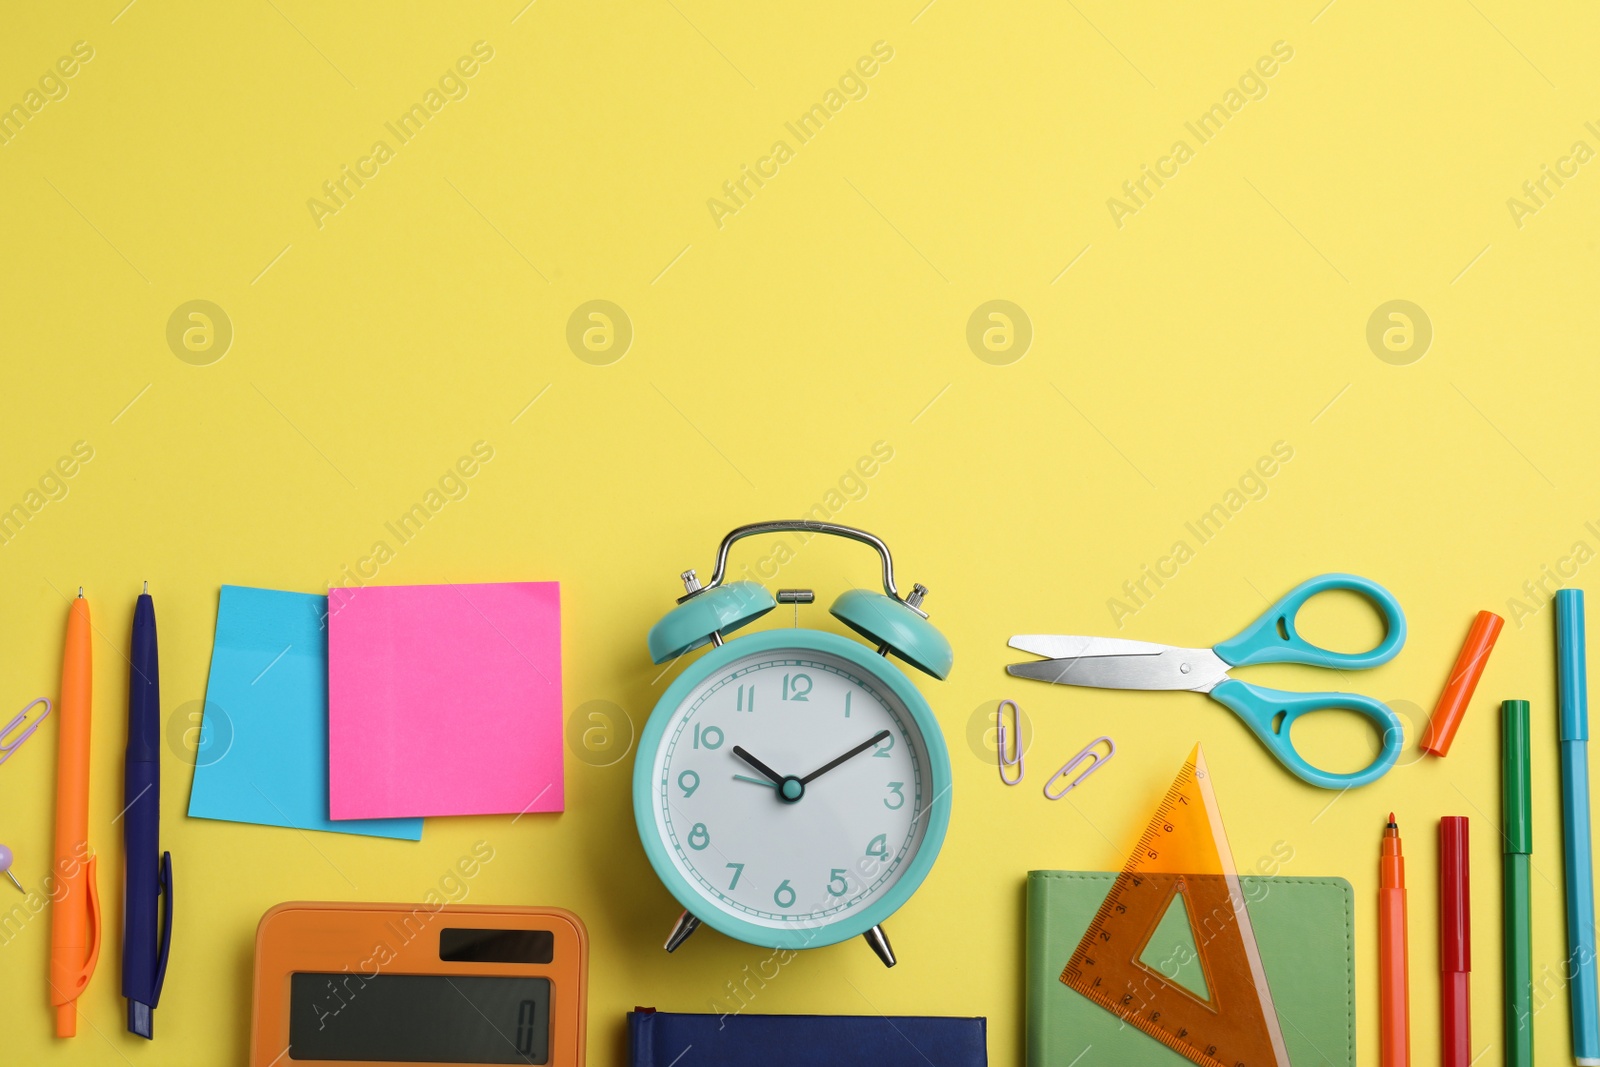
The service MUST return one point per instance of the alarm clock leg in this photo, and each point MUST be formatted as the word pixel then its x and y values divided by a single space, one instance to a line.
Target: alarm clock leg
pixel 686 925
pixel 880 944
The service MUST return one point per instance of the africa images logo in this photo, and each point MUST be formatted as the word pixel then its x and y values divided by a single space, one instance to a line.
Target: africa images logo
pixel 452 85
pixel 1252 85
pixel 852 85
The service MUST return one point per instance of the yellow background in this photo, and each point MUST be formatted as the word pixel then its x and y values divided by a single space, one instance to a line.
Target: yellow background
pixel 830 312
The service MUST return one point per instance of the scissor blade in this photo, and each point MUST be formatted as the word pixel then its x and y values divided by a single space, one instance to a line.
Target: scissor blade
pixel 1169 669
pixel 1067 646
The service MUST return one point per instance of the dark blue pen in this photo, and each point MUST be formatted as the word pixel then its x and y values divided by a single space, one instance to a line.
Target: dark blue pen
pixel 144 963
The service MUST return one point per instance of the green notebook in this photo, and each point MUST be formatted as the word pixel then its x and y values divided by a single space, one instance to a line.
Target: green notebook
pixel 1303 926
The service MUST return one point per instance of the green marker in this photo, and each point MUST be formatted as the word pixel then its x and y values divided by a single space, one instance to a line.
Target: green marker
pixel 1518 844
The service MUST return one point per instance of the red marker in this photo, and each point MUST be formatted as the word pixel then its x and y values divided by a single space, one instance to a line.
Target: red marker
pixel 1455 944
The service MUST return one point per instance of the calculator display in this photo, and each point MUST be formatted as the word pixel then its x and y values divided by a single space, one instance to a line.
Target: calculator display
pixel 419 1018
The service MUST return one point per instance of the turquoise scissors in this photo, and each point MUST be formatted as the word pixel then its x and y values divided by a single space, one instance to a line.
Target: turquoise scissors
pixel 1113 663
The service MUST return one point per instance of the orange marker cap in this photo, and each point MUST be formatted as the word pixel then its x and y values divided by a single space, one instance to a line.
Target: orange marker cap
pixel 1463 680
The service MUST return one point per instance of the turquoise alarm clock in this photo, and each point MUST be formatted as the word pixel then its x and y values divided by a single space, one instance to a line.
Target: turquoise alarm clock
pixel 792 787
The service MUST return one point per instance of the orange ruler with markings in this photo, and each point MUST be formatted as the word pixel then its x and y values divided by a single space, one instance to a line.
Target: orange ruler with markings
pixel 1206 999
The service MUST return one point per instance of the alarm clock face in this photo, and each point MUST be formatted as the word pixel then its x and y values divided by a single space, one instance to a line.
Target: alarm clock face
pixel 795 796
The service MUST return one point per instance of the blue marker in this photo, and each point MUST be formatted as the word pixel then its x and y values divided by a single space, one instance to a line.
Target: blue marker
pixel 1574 703
pixel 144 957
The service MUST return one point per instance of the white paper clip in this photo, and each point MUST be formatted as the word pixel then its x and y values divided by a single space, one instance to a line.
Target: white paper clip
pixel 1001 733
pixel 8 747
pixel 1088 753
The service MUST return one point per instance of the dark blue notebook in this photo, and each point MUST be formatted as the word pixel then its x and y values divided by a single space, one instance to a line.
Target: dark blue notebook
pixel 667 1039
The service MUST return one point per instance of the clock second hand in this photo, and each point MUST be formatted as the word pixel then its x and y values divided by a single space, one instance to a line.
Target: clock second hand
pixel 754 781
pixel 788 787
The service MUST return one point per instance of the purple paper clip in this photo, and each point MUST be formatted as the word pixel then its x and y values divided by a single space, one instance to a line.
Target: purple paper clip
pixel 1095 760
pixel 7 747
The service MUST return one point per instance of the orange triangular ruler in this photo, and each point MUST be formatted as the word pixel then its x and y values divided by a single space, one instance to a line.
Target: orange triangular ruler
pixel 1184 851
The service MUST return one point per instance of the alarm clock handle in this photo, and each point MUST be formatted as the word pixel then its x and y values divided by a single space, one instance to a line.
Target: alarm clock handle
pixel 802 526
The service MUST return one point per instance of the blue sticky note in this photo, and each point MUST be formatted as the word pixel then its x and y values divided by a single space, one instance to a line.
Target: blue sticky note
pixel 263 750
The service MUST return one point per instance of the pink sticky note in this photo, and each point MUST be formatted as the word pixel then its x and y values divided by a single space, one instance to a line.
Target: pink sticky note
pixel 444 700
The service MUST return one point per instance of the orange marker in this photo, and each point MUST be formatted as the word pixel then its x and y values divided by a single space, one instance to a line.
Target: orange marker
pixel 1394 994
pixel 75 916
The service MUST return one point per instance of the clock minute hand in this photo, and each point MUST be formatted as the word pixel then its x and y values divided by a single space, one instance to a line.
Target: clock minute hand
pixel 758 765
pixel 831 764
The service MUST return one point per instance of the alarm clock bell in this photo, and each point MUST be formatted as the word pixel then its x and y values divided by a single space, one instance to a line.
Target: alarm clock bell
pixel 706 614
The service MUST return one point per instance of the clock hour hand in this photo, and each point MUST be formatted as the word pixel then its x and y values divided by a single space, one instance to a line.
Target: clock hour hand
pixel 831 764
pixel 757 764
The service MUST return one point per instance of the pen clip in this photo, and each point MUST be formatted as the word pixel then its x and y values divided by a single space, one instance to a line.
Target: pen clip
pixel 166 928
pixel 69 978
pixel 81 980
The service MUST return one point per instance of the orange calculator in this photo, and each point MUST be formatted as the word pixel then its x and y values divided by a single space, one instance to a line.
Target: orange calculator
pixel 347 984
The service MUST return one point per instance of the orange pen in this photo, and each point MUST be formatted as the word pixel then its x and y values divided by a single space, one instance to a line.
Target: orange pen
pixel 1394 994
pixel 75 916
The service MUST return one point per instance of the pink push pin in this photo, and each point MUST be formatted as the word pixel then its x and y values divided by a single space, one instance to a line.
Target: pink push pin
pixel 5 865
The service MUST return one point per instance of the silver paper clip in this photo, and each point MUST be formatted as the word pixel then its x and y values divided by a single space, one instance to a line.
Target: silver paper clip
pixel 1016 740
pixel 7 747
pixel 1088 753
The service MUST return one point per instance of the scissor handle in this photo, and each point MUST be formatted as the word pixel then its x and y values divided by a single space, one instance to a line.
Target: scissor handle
pixel 1271 712
pixel 1274 639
